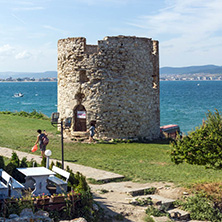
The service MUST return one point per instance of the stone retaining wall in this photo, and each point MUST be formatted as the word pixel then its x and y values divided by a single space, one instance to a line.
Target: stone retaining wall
pixel 116 84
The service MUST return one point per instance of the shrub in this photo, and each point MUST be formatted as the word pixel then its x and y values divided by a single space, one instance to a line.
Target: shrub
pixel 33 114
pixel 15 159
pixel 32 163
pixel 202 146
pixel 43 162
pixel 2 163
pixel 151 210
pixel 201 208
pixel 23 163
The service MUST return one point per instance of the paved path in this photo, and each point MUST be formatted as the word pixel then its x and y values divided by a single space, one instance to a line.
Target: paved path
pixel 116 201
pixel 89 172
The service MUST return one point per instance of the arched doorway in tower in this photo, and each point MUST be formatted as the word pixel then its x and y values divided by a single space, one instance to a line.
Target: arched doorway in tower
pixel 80 118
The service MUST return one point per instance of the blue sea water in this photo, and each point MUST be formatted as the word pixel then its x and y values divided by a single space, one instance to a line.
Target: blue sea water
pixel 39 96
pixel 186 102
pixel 181 102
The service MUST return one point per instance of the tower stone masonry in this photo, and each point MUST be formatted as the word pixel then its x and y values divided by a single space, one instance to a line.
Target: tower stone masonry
pixel 114 83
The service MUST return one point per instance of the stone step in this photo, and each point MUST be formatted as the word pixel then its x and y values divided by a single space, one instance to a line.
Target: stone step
pixel 166 219
pixel 178 214
pixel 160 200
pixel 138 191
pixel 160 219
pixel 197 221
pixel 79 134
pixel 156 199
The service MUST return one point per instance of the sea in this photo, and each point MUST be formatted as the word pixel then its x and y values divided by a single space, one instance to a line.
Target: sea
pixel 185 103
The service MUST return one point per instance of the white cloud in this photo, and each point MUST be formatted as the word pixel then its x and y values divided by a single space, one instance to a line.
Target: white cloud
pixel 6 50
pixel 23 55
pixel 184 17
pixel 185 26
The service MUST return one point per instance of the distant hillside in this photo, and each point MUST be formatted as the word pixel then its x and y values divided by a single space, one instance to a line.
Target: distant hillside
pixel 36 75
pixel 208 69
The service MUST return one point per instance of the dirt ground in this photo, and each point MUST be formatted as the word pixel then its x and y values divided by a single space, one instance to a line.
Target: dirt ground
pixel 114 199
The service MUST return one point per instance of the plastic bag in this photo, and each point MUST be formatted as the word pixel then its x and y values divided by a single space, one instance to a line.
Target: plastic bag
pixel 34 148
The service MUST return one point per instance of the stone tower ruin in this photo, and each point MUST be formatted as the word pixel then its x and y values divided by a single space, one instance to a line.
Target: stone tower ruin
pixel 114 83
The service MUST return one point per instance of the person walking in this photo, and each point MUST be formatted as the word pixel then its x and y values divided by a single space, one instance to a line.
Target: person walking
pixel 91 131
pixel 39 140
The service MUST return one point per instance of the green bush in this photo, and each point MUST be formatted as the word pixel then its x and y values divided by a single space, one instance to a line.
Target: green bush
pixel 201 208
pixel 15 159
pixel 202 146
pixel 152 211
pixel 2 163
pixel 23 163
pixel 32 163
pixel 43 162
pixel 33 114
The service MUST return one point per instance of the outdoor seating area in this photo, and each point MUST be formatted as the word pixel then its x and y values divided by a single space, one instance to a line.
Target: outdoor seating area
pixel 37 179
pixel 9 187
pixel 61 185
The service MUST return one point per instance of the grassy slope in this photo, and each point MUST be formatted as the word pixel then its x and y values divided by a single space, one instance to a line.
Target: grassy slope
pixel 140 162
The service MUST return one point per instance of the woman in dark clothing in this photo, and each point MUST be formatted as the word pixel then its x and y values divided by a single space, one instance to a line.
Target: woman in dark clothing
pixel 40 141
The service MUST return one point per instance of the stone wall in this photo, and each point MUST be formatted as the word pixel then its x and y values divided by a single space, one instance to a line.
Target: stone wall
pixel 116 83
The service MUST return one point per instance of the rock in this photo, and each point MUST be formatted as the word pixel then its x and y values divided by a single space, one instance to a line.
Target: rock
pixel 42 213
pixel 160 219
pixel 12 216
pixel 95 207
pixel 27 213
pixel 179 214
pixel 175 215
pixel 81 219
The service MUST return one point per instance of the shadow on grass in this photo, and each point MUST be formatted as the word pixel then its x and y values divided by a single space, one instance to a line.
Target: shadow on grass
pixel 72 161
pixel 93 181
pixel 140 140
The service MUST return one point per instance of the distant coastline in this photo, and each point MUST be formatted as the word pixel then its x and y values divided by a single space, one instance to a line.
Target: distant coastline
pixel 191 77
pixel 27 79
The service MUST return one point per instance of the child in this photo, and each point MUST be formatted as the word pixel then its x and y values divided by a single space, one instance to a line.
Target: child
pixel 91 131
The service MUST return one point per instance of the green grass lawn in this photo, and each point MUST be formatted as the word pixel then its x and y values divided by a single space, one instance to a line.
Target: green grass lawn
pixel 136 161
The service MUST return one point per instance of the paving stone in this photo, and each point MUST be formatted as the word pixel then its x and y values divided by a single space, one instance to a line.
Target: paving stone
pixel 138 191
pixel 88 172
pixel 166 202
pixel 161 219
pixel 179 214
pixel 196 221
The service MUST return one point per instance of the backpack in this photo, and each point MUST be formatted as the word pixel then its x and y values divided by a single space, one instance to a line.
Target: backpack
pixel 45 140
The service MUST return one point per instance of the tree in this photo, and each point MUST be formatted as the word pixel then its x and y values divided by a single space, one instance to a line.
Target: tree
pixel 202 146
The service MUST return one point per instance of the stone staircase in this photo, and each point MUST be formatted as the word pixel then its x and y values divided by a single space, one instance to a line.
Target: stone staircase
pixel 131 200
pixel 160 203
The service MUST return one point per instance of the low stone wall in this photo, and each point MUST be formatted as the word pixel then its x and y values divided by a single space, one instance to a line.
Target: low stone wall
pixel 27 215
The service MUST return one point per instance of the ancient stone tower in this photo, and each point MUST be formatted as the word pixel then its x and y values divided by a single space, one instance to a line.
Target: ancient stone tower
pixel 114 83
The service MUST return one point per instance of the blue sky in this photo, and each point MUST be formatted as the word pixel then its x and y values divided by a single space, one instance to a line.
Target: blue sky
pixel 189 31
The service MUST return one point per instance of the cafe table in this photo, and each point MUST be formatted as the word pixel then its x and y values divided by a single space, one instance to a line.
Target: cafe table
pixel 39 175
